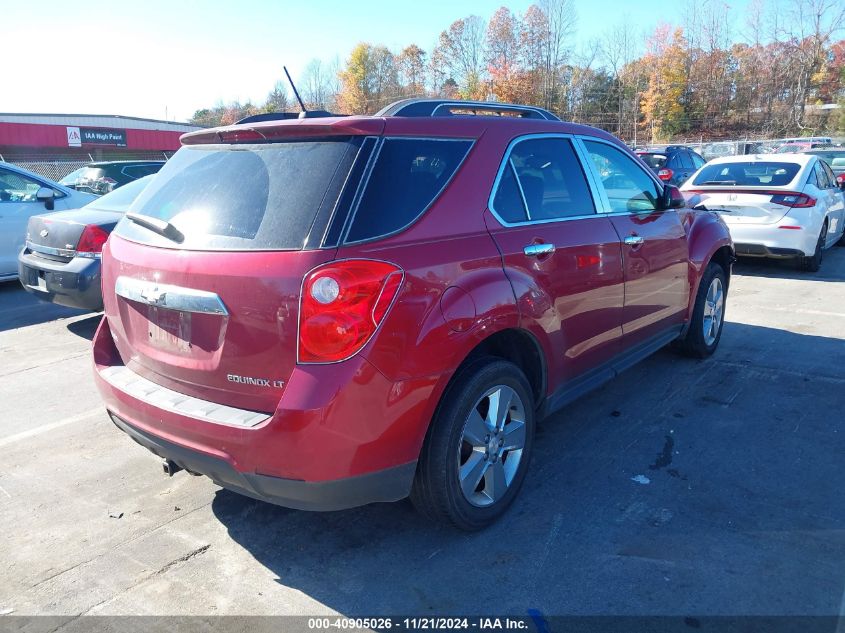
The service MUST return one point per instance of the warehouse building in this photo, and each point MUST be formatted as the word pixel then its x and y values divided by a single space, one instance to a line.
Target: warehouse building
pixel 54 145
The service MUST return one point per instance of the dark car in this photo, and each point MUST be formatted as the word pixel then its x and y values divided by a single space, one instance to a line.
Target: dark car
pixel 835 157
pixel 102 177
pixel 60 262
pixel 329 312
pixel 673 165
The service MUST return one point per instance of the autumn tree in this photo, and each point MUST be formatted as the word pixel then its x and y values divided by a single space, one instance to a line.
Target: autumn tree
pixel 459 55
pixel 369 81
pixel 411 66
pixel 663 103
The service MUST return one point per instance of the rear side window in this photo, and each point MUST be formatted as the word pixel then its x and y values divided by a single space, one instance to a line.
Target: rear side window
pixel 542 180
pixel 750 174
pixel 686 161
pixel 407 176
pixel 697 161
pixel 244 196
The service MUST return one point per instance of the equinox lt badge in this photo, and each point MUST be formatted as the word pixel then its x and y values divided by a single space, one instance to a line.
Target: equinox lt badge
pixel 258 382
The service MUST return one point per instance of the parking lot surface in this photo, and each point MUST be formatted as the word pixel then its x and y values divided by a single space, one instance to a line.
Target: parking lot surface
pixel 682 487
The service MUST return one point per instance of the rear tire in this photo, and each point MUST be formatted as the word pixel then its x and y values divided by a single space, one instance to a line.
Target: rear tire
pixel 478 447
pixel 708 314
pixel 812 263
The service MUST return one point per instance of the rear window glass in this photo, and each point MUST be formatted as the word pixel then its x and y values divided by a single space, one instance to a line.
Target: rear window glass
pixel 121 198
pixel 655 161
pixel 752 174
pixel 407 177
pixel 242 197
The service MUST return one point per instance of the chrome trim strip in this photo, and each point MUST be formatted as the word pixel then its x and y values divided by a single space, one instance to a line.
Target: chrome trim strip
pixel 521 190
pixel 167 296
pixel 130 383
pixel 49 250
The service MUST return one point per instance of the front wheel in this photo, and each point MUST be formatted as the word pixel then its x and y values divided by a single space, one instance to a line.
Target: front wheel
pixel 478 447
pixel 708 314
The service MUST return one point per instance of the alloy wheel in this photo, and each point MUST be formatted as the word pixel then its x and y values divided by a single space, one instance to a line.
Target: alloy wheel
pixel 714 304
pixel 491 446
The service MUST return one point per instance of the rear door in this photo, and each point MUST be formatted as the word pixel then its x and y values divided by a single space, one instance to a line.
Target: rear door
pixel 834 199
pixel 563 259
pixel 654 244
pixel 215 315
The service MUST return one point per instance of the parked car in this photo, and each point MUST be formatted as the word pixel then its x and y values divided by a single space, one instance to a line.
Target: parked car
pixel 23 194
pixel 324 313
pixel 799 147
pixel 835 157
pixel 72 179
pixel 783 206
pixel 60 262
pixel 673 165
pixel 103 177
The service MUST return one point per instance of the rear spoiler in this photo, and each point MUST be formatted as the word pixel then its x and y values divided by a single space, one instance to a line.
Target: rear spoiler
pixel 276 130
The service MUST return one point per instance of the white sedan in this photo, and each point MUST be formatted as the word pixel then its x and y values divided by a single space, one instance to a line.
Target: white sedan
pixel 784 206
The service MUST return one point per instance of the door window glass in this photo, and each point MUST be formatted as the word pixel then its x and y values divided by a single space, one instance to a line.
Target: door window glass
pixel 16 187
pixel 542 180
pixel 628 186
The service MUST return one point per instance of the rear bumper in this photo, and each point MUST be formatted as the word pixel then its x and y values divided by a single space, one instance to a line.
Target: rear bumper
pixel 75 284
pixel 341 436
pixel 767 240
pixel 390 484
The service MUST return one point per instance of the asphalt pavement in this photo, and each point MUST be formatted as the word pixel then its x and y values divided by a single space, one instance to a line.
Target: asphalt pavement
pixel 683 487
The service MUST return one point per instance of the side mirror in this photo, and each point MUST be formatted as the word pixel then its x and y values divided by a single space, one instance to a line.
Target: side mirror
pixel 672 198
pixel 47 196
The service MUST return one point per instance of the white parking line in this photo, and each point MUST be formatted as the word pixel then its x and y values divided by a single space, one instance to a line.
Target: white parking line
pixel 45 428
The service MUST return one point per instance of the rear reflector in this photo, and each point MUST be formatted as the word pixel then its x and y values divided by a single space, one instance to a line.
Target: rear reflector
pixel 342 305
pixel 91 241
pixel 792 228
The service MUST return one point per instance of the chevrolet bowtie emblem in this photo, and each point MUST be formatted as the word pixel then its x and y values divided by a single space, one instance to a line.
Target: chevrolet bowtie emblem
pixel 154 295
pixel 44 233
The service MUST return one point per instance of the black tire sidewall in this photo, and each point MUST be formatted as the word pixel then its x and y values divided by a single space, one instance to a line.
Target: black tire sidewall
pixel 696 335
pixel 447 430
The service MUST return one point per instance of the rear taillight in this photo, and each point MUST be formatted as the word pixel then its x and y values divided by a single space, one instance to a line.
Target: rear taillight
pixel 91 241
pixel 342 305
pixel 794 200
pixel 840 180
pixel 665 174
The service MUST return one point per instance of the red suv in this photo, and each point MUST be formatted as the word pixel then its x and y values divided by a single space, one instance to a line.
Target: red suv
pixel 328 312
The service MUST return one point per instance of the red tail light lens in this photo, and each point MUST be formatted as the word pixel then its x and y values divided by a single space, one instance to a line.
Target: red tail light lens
pixel 794 200
pixel 91 241
pixel 665 174
pixel 342 305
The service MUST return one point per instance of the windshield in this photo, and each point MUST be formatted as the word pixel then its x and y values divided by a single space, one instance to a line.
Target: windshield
pixel 122 197
pixel 751 174
pixel 252 196
pixel 655 161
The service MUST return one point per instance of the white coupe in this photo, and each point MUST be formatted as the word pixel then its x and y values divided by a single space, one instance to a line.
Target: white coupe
pixel 784 205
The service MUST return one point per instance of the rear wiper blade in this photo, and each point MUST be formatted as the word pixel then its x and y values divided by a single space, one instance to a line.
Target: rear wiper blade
pixel 162 227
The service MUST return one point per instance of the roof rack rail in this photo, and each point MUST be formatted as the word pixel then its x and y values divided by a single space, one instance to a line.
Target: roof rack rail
pixel 281 116
pixel 452 107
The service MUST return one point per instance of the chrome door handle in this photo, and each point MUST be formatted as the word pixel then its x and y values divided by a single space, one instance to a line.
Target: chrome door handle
pixel 633 240
pixel 535 250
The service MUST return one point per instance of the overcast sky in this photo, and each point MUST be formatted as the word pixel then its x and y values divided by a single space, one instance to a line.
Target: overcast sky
pixel 145 58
